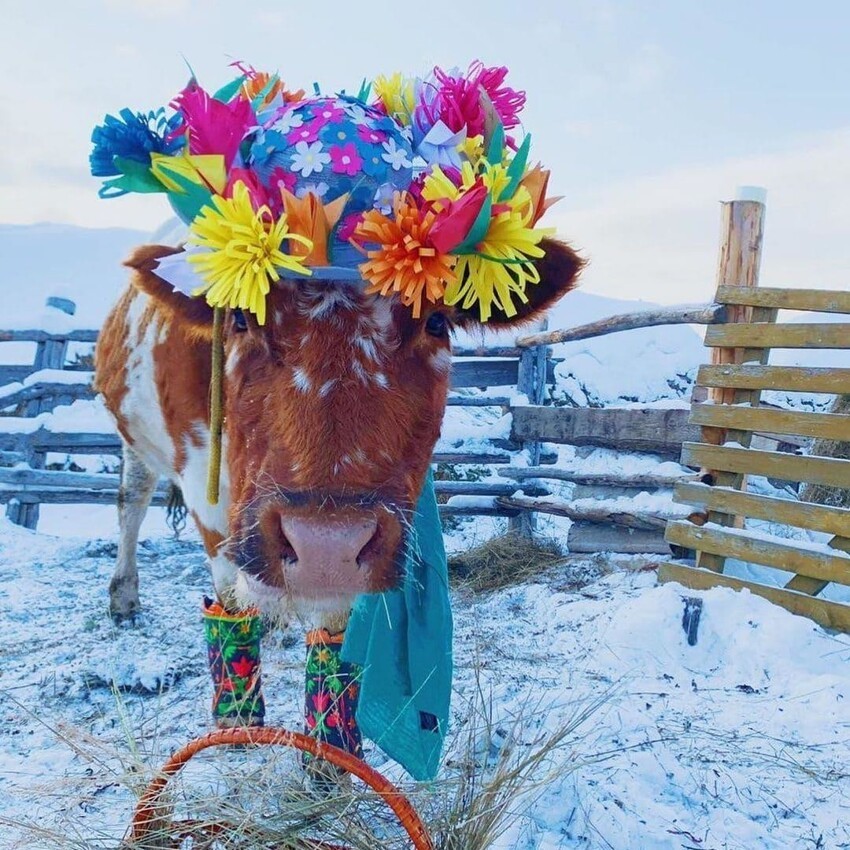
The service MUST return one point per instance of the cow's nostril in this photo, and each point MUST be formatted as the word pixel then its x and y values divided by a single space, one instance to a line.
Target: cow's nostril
pixel 287 550
pixel 370 546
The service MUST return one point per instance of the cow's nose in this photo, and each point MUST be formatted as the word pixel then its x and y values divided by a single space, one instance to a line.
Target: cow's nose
pixel 327 553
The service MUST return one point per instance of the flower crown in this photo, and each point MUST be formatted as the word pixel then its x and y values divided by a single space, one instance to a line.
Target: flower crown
pixel 420 187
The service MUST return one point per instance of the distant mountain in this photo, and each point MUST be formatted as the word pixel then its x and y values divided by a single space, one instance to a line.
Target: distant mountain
pixel 80 263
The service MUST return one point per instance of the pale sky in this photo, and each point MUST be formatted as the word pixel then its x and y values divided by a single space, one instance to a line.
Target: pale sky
pixel 648 113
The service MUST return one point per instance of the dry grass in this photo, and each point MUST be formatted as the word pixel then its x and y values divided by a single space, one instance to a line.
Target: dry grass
pixel 493 770
pixel 504 561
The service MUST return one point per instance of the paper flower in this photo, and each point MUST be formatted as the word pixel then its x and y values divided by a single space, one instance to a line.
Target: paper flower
pixel 131 136
pixel 214 127
pixel 309 158
pixel 396 96
pixel 406 261
pixel 502 266
pixel 243 252
pixel 308 217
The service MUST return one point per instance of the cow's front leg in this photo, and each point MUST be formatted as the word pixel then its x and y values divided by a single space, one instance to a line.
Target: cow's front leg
pixel 134 496
pixel 332 689
pixel 233 636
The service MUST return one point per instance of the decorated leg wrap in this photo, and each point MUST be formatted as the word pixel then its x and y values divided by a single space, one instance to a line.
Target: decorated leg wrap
pixel 332 690
pixel 233 647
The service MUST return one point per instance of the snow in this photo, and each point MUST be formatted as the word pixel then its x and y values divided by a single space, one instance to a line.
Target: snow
pixel 739 741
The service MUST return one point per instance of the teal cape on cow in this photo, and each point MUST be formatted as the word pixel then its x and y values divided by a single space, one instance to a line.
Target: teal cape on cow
pixel 403 641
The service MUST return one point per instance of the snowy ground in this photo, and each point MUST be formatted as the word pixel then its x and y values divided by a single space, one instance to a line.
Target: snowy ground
pixel 738 742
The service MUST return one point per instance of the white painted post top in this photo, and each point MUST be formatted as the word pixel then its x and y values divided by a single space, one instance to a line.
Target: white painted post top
pixel 751 193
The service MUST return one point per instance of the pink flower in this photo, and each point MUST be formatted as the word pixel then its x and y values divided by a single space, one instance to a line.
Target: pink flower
pixel 345 159
pixel 280 179
pixel 306 133
pixel 454 223
pixel 328 114
pixel 349 225
pixel 370 136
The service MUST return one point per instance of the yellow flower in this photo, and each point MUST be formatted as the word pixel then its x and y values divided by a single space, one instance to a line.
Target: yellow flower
pixel 502 266
pixel 244 252
pixel 472 148
pixel 396 93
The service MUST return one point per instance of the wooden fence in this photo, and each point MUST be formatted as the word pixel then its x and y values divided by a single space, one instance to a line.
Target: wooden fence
pixel 738 374
pixel 516 492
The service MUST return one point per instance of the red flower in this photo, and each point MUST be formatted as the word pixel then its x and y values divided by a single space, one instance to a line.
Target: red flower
pixel 455 221
pixel 244 667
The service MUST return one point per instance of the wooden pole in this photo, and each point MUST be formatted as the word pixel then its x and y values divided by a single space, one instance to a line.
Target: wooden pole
pixel 738 264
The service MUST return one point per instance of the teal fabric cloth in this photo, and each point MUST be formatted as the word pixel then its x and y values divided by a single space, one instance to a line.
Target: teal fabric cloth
pixel 403 641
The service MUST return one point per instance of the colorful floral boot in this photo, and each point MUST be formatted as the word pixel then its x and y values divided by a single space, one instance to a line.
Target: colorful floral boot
pixel 233 647
pixel 332 690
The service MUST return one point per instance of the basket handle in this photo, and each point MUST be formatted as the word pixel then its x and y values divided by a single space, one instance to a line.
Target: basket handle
pixel 147 807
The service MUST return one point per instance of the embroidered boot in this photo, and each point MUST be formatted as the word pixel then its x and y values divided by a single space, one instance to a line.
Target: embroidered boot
pixel 332 691
pixel 233 648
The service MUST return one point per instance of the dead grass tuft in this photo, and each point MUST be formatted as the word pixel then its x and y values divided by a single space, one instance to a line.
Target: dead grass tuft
pixel 504 561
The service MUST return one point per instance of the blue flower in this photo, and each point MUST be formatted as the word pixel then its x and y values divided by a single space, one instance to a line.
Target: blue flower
pixel 134 136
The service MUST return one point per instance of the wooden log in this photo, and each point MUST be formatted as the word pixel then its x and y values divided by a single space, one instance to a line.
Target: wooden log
pixel 26 478
pixel 478 401
pixel 830 426
pixel 793 378
pixel 803 335
pixel 817 300
pixel 15 374
pixel 779 553
pixel 656 430
pixel 696 314
pixel 606 479
pixel 477 488
pixel 832 472
pixel 37 335
pixel 476 510
pixel 484 373
pixel 69 496
pixel 40 391
pixel 9 458
pixel 486 351
pixel 787 511
pixel 591 537
pixel 588 513
pixel 830 615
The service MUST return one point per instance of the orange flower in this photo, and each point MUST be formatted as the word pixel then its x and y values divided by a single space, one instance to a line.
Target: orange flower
pixel 260 79
pixel 406 262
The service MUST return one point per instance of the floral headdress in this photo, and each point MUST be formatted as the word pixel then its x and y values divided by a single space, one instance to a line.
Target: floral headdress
pixel 420 187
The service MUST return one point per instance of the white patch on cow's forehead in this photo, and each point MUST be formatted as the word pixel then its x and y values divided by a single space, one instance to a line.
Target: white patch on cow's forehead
pixel 232 360
pixel 141 406
pixel 193 480
pixel 326 387
pixel 442 361
pixel 381 380
pixel 301 380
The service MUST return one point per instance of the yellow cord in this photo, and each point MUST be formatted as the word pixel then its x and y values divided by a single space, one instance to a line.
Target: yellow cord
pixel 216 406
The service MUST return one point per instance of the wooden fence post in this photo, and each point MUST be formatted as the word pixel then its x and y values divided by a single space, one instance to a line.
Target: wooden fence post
pixel 738 264
pixel 49 354
pixel 531 381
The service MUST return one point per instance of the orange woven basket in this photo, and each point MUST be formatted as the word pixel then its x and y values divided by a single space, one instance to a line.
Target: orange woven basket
pixel 146 816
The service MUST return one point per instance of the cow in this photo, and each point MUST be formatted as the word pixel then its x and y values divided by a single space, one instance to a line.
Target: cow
pixel 332 411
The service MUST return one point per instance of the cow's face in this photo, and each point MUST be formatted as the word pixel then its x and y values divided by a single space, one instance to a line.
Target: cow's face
pixel 332 410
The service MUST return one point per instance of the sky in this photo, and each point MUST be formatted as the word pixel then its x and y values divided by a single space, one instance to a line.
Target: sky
pixel 648 112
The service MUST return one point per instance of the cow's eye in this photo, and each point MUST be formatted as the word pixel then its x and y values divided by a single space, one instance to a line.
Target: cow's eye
pixel 437 325
pixel 239 322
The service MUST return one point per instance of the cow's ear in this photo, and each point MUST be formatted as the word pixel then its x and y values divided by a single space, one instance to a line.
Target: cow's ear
pixel 559 269
pixel 194 312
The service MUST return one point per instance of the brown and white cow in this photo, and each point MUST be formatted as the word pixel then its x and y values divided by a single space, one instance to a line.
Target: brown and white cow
pixel 332 410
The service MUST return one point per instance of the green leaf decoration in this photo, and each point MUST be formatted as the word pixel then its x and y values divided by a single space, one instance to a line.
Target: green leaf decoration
pixel 226 92
pixel 188 203
pixel 257 102
pixel 497 145
pixel 516 169
pixel 136 177
pixel 365 91
pixel 478 230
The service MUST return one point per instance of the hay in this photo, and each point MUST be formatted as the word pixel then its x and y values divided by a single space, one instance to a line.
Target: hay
pixel 838 497
pixel 504 561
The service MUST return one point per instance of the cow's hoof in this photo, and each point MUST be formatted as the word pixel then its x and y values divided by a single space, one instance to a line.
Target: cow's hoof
pixel 124 605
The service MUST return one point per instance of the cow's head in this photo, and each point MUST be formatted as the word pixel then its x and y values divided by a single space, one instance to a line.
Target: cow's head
pixel 332 411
